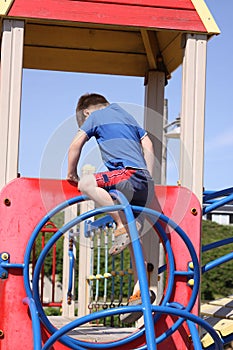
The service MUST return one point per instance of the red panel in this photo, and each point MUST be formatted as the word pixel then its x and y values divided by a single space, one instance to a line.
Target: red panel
pixel 23 202
pixel 109 13
pixel 178 4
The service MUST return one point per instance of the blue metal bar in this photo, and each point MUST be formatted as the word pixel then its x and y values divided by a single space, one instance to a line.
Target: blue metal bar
pixel 71 270
pixel 152 213
pixel 191 249
pixel 35 323
pixel 217 204
pixel 105 264
pixel 162 268
pixel 212 264
pixel 140 266
pixel 125 309
pixel 216 194
pixel 7 265
pixel 194 335
pixel 35 233
pixel 90 225
pixel 189 273
pixel 67 340
pixel 217 244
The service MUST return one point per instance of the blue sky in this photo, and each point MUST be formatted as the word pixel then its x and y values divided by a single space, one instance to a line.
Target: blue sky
pixel 49 101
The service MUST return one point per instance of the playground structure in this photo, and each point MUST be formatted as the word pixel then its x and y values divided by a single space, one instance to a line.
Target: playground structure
pixel 137 38
pixel 170 324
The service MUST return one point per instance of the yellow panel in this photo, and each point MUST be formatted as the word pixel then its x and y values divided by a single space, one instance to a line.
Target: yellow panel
pixel 206 17
pixel 207 340
pixel 5 6
pixel 85 61
pixel 224 328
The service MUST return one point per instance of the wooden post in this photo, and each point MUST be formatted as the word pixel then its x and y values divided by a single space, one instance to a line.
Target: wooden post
pixel 193 114
pixel 84 256
pixel 154 103
pixel 10 97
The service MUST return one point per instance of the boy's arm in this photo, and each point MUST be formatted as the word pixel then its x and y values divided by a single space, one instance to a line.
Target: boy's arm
pixel 148 151
pixel 74 155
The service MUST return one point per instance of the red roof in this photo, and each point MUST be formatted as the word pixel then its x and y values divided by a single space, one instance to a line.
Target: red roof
pixel 160 14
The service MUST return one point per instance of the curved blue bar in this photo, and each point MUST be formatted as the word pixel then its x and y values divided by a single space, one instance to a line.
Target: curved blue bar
pixel 195 335
pixel 124 309
pixel 35 323
pixel 35 233
pixel 146 306
pixel 140 266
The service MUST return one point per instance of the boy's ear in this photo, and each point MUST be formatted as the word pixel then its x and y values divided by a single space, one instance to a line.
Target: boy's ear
pixel 86 112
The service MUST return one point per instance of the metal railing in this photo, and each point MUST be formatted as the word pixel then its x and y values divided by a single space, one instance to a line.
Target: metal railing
pixel 183 312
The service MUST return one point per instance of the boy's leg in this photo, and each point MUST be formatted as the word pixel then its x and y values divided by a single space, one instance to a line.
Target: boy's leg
pixel 100 196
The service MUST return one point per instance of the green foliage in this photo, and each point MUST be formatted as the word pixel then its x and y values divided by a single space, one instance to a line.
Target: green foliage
pixel 217 282
pixel 52 311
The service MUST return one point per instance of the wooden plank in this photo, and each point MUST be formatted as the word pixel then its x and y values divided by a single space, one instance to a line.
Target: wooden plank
pixel 224 328
pixel 227 302
pixel 151 46
pixel 178 4
pixel 216 311
pixel 84 38
pixel 107 13
pixel 4 6
pixel 85 61
pixel 171 50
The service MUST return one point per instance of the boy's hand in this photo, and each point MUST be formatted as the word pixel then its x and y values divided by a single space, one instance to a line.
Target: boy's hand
pixel 72 178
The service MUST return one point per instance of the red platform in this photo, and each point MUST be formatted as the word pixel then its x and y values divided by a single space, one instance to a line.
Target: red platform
pixel 23 202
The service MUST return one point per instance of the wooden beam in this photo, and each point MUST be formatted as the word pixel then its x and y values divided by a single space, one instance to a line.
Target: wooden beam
pixel 85 38
pixel 85 61
pixel 151 46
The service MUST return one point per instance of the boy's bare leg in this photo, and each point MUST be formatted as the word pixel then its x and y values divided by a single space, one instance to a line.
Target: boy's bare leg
pixel 100 196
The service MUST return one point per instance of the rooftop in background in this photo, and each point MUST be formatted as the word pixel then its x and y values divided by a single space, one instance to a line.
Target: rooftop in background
pixel 124 37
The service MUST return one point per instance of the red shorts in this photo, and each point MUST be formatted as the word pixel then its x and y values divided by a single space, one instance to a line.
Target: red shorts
pixel 136 184
pixel 111 178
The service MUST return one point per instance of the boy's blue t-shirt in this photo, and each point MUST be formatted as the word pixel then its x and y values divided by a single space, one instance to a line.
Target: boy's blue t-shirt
pixel 118 135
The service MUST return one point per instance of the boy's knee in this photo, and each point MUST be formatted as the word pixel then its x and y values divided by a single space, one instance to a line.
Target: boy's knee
pixel 87 183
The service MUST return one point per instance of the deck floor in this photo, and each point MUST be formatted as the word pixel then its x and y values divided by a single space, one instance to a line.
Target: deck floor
pixel 92 333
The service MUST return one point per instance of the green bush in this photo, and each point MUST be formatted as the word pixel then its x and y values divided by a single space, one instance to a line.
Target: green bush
pixel 217 282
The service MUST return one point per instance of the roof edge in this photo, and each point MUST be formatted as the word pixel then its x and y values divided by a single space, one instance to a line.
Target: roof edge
pixel 5 6
pixel 206 16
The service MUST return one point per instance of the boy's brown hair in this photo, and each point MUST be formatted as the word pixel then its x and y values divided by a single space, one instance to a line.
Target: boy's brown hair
pixel 86 101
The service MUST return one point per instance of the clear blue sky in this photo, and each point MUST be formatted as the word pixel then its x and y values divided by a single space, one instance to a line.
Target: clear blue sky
pixel 49 101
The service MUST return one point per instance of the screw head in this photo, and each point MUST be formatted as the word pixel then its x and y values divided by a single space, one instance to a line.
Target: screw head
pixel 4 256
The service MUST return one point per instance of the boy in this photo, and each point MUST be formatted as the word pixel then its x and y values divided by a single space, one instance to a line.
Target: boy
pixel 128 154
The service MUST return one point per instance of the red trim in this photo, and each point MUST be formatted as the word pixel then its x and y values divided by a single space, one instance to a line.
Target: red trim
pixel 114 177
pixel 149 14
